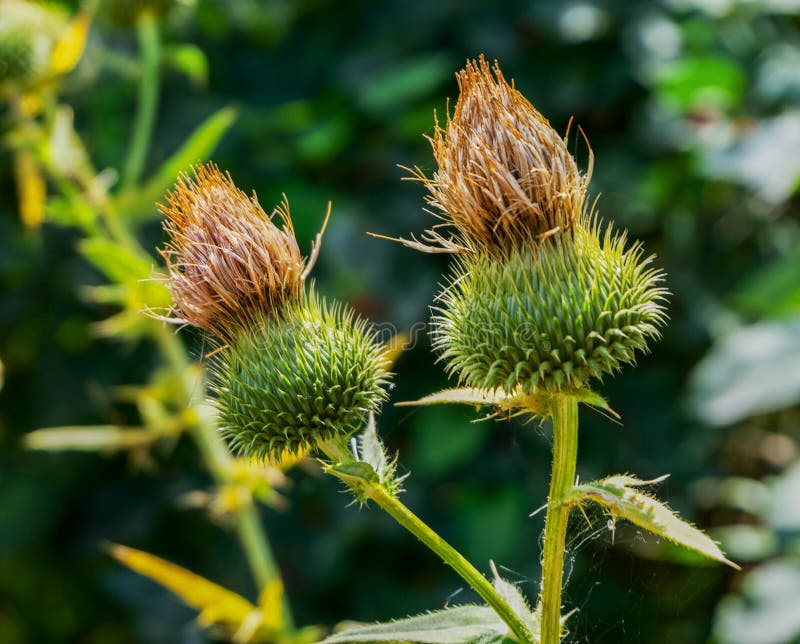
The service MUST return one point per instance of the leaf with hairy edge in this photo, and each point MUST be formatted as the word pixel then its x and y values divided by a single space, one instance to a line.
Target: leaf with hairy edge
pixel 619 496
pixel 458 625
pixel 518 402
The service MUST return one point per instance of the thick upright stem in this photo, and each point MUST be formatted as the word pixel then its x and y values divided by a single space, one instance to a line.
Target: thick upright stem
pixel 150 53
pixel 411 522
pixel 562 478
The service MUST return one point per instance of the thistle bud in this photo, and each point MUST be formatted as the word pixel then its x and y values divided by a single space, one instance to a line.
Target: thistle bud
pixel 291 371
pixel 227 260
pixel 286 384
pixel 549 317
pixel 541 301
pixel 505 176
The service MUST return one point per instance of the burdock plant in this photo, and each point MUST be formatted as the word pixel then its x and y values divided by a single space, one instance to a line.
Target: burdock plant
pixel 543 301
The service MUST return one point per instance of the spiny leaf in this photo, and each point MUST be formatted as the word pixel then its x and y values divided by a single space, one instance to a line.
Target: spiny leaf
pixel 217 605
pixel 517 402
pixel 98 438
pixel 459 625
pixel 618 495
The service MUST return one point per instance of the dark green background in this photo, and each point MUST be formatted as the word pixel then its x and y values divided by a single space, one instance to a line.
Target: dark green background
pixel 332 96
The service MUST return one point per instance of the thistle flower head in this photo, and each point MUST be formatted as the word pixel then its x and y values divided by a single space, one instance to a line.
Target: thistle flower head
pixel 228 262
pixel 504 176
pixel 550 317
pixel 285 384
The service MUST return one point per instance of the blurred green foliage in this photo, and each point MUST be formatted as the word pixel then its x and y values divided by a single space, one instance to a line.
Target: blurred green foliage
pixel 692 109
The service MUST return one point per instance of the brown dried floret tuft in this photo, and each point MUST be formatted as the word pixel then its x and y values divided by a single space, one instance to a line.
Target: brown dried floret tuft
pixel 227 259
pixel 505 175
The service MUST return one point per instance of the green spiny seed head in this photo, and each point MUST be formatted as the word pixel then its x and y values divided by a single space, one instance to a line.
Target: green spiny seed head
pixel 549 316
pixel 288 382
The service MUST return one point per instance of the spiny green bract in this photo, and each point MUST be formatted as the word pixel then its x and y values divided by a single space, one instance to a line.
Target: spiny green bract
pixel 549 316
pixel 309 374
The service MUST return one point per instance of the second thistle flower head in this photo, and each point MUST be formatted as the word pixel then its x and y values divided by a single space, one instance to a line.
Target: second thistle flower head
pixel 541 299
pixel 227 259
pixel 504 176
pixel 291 371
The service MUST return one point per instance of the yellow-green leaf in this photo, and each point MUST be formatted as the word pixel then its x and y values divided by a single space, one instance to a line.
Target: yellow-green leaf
pixel 216 605
pixel 31 189
pixel 97 438
pixel 197 148
pixel 69 48
pixel 618 494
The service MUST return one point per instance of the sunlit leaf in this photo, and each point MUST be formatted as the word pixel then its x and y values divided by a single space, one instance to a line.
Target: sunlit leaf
pixel 189 60
pixel 458 625
pixel 31 189
pixel 94 438
pixel 116 262
pixel 69 48
pixel 538 404
pixel 620 497
pixel 196 149
pixel 216 605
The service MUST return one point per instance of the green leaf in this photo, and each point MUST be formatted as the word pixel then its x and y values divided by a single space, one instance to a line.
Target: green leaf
pixel 619 496
pixel 116 262
pixel 458 625
pixel 518 402
pixel 690 83
pixel 197 148
pixel 101 438
pixel 189 60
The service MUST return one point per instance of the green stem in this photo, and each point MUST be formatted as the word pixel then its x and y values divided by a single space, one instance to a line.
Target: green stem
pixel 411 522
pixel 150 49
pixel 562 479
pixel 249 530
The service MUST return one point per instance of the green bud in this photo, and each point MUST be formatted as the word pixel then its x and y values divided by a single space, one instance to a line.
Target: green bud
pixel 309 373
pixel 549 316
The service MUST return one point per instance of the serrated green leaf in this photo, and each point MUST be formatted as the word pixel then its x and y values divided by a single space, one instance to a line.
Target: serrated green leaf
pixel 518 402
pixel 190 60
pixel 458 625
pixel 115 261
pixel 197 148
pixel 459 395
pixel 102 438
pixel 619 496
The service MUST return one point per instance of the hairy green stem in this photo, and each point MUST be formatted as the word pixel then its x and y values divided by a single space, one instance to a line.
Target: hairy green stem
pixel 150 53
pixel 338 452
pixel 249 531
pixel 562 479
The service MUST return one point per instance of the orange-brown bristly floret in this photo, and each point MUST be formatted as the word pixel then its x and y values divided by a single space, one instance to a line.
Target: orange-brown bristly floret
pixel 504 173
pixel 227 259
